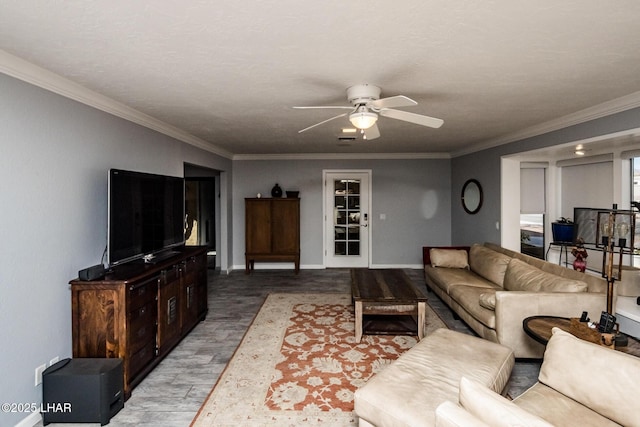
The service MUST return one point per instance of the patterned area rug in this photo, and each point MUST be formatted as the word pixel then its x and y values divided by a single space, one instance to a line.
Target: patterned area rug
pixel 299 364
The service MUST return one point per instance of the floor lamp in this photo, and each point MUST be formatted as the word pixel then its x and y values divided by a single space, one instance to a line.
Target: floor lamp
pixel 615 230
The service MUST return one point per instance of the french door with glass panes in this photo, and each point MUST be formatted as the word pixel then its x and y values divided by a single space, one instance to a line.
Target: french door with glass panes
pixel 346 218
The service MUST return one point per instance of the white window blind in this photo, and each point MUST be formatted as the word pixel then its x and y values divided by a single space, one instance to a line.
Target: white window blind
pixel 586 186
pixel 532 191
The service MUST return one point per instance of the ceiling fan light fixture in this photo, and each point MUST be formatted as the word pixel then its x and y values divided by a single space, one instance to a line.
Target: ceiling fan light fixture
pixel 367 106
pixel 363 119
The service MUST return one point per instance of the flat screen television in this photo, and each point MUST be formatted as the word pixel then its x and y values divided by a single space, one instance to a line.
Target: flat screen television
pixel 146 215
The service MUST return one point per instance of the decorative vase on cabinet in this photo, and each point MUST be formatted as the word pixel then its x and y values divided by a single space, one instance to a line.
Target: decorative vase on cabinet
pixel 276 191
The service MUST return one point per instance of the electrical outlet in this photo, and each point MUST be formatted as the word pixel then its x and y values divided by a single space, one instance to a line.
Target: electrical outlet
pixel 39 370
pixel 54 361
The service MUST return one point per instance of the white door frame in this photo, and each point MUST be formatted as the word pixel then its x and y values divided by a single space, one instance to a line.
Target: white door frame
pixel 326 215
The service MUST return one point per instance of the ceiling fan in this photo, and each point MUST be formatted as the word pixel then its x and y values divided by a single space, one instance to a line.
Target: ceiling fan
pixel 366 105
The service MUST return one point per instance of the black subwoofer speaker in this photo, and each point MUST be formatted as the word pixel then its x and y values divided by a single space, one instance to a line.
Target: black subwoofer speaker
pixel 83 390
pixel 92 273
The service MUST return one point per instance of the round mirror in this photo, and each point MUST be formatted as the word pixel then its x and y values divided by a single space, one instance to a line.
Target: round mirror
pixel 471 196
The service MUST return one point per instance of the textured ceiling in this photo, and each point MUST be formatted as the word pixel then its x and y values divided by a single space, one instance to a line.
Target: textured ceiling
pixel 229 72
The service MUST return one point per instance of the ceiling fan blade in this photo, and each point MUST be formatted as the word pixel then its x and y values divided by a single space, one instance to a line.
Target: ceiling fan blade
pixel 393 102
pixel 372 133
pixel 323 122
pixel 412 118
pixel 343 107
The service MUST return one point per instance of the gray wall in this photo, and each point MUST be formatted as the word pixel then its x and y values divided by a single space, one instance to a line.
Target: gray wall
pixel 485 166
pixel 54 160
pixel 467 229
pixel 415 195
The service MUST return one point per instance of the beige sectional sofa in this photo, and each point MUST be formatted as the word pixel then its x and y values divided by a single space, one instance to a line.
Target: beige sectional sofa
pixel 580 384
pixel 494 289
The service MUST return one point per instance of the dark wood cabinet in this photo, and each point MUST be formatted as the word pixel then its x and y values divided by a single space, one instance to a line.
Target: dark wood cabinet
pixel 139 312
pixel 272 231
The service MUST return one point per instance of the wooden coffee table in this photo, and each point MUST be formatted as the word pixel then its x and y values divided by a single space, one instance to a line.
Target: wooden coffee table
pixel 387 302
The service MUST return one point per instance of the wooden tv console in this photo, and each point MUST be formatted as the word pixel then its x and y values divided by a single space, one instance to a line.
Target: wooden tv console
pixel 139 312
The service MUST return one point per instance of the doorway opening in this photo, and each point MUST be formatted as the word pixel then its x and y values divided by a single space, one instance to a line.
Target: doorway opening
pixel 202 211
pixel 532 235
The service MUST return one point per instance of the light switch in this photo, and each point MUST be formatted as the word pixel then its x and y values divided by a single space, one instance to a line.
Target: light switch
pixel 383 216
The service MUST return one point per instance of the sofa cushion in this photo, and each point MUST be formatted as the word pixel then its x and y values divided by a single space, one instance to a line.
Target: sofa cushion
pixel 468 298
pixel 446 278
pixel 599 378
pixel 488 300
pixel 449 258
pixel 629 283
pixel 493 409
pixel 558 409
pixel 521 276
pixel 488 263
pixel 595 283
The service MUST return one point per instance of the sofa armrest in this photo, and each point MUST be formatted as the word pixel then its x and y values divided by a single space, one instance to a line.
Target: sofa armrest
pixel 449 414
pixel 512 307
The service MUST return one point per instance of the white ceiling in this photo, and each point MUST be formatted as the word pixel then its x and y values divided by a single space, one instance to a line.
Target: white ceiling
pixel 228 73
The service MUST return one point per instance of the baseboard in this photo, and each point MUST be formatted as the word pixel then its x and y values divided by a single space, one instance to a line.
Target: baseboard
pixel 30 421
pixel 313 267
pixel 289 266
pixel 402 266
pixel 279 266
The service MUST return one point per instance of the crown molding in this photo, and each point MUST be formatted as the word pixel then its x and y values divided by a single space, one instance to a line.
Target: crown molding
pixel 608 108
pixel 342 156
pixel 20 69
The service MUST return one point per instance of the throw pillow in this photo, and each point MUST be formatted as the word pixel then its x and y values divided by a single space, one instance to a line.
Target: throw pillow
pixel 494 409
pixel 449 258
pixel 488 263
pixel 521 276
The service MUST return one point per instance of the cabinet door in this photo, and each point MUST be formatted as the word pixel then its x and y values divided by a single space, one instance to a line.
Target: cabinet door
pixel 98 322
pixel 202 294
pixel 196 273
pixel 258 226
pixel 189 309
pixel 285 224
pixel 141 325
pixel 169 309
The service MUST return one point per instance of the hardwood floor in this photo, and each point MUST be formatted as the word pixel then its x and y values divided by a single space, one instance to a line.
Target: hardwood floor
pixel 172 394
